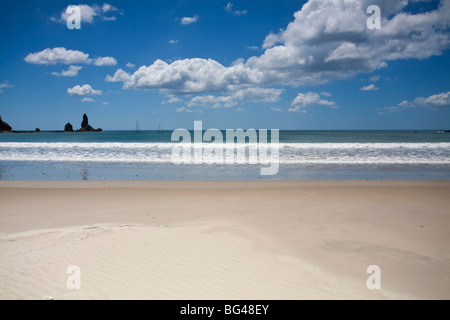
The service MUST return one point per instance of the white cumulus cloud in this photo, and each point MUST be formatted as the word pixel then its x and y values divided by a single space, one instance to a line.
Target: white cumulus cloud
pixel 108 8
pixel 57 55
pixel 189 20
pixel 174 100
pixel 71 72
pixel 254 94
pixel 370 87
pixel 51 56
pixel 182 76
pixel 433 102
pixel 82 91
pixel 210 101
pixel 105 61
pixel 304 100
pixel 88 100
pixel 89 13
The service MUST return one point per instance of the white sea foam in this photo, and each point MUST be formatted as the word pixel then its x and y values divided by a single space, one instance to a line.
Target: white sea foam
pixel 150 145
pixel 290 153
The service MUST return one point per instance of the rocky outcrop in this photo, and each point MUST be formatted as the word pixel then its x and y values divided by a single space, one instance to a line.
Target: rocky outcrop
pixel 85 121
pixel 4 126
pixel 85 126
pixel 88 128
pixel 68 127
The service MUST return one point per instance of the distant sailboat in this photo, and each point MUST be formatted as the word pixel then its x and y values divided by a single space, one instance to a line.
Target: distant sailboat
pixel 159 127
pixel 138 129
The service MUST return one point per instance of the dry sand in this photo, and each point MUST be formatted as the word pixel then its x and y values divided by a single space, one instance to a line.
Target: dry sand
pixel 225 240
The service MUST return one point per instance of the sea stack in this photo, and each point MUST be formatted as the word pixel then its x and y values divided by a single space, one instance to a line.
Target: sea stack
pixel 4 126
pixel 85 126
pixel 85 121
pixel 68 127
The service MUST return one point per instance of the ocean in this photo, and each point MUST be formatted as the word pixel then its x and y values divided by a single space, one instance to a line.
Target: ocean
pixel 303 155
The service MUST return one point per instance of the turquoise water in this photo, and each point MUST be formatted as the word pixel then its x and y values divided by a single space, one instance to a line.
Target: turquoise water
pixel 304 155
pixel 367 136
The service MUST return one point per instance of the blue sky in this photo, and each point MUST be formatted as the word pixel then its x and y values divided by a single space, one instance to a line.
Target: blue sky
pixel 262 64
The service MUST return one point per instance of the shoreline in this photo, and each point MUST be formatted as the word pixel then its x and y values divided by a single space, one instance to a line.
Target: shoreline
pixel 218 183
pixel 47 131
pixel 225 239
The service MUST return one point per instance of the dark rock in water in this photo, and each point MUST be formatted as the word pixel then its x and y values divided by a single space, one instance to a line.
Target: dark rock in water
pixel 89 128
pixel 38 130
pixel 86 127
pixel 85 121
pixel 4 126
pixel 68 127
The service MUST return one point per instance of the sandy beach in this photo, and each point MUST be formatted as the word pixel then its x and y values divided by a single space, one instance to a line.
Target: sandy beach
pixel 225 240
